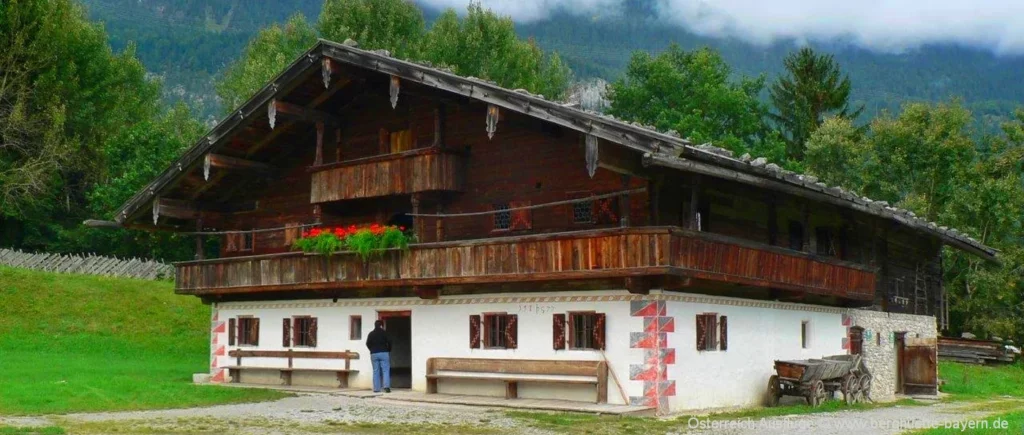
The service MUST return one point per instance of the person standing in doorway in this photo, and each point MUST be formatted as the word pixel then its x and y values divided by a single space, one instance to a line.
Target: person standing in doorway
pixel 380 356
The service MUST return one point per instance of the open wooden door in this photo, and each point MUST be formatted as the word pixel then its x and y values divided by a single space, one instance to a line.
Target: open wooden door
pixel 918 366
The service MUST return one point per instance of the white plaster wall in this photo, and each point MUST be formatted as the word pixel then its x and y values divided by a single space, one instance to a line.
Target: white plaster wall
pixel 441 329
pixel 759 332
pixel 880 330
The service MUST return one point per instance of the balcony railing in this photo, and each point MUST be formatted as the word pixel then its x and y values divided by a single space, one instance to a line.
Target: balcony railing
pixel 596 254
pixel 420 170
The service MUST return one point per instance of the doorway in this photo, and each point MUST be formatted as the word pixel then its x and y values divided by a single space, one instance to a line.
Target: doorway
pixel 398 325
pixel 899 343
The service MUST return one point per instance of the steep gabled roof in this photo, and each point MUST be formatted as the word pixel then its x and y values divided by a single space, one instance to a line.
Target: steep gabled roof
pixel 665 149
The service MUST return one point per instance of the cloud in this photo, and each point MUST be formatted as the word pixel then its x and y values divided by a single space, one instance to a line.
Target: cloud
pixel 885 25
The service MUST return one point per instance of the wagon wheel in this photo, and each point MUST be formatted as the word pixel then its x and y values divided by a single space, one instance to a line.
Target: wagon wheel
pixel 774 391
pixel 851 388
pixel 864 392
pixel 816 395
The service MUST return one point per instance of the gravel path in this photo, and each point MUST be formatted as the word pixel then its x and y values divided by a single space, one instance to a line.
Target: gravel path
pixel 319 412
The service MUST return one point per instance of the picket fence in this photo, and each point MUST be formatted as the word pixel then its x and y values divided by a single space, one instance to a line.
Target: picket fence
pixel 87 264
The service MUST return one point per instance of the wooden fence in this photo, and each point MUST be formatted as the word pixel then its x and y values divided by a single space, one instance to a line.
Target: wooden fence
pixel 87 264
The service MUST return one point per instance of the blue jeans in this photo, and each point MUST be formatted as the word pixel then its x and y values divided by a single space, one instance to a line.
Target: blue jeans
pixel 381 370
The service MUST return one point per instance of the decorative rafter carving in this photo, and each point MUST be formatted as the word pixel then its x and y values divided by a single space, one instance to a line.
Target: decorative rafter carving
pixel 395 84
pixel 493 114
pixel 592 157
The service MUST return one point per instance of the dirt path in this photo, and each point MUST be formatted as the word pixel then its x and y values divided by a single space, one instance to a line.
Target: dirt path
pixel 331 413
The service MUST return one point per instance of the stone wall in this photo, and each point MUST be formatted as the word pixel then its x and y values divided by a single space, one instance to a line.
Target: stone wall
pixel 880 344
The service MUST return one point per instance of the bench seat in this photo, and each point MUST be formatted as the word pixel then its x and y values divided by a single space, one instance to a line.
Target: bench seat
pixel 515 379
pixel 342 374
pixel 514 371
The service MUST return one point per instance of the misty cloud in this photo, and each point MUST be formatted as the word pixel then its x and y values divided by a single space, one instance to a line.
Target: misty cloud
pixel 887 25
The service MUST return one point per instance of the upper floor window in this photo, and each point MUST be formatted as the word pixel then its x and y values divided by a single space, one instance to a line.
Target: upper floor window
pixel 583 212
pixel 796 236
pixel 824 242
pixel 239 242
pixel 503 217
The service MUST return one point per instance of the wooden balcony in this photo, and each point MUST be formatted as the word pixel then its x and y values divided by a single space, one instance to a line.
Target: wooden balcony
pixel 420 170
pixel 662 254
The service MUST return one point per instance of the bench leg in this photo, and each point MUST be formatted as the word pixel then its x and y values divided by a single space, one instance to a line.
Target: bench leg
pixel 286 376
pixel 234 374
pixel 342 379
pixel 511 390
pixel 431 386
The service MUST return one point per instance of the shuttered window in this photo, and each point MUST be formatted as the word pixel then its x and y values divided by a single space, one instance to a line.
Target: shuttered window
pixel 238 242
pixel 707 331
pixel 304 330
pixel 606 211
pixel 500 331
pixel 587 331
pixel 248 333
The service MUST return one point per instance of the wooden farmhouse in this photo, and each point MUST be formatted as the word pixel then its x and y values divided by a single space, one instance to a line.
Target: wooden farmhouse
pixel 559 253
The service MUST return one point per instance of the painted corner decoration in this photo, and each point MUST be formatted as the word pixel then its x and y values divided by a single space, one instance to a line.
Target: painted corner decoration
pixel 272 113
pixel 492 120
pixel 591 155
pixel 395 83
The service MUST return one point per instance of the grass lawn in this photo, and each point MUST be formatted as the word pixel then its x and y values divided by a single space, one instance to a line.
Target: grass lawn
pixel 75 343
pixel 967 381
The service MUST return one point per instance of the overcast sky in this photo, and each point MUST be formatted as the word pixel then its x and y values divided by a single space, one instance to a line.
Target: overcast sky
pixel 885 25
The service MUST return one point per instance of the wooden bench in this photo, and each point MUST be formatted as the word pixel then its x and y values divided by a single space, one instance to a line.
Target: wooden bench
pixel 513 371
pixel 286 372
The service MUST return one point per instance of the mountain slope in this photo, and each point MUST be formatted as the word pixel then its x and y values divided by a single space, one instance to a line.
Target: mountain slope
pixel 190 42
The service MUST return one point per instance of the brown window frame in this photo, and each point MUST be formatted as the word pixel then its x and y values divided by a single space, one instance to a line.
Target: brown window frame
pixel 355 327
pixel 303 331
pixel 248 331
pixel 710 341
pixel 588 333
pixel 494 339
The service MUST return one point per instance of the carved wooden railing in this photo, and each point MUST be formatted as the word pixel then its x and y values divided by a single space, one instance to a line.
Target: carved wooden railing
pixel 420 170
pixel 596 254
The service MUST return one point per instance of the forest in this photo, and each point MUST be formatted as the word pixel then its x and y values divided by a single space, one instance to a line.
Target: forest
pixel 85 122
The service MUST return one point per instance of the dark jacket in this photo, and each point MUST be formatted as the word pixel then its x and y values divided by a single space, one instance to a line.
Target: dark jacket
pixel 378 341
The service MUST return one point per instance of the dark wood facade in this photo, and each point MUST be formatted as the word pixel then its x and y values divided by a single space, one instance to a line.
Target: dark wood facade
pixel 334 147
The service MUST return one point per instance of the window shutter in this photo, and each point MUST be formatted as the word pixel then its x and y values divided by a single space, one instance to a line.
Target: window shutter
pixel 231 240
pixel 255 332
pixel 292 232
pixel 723 329
pixel 712 331
pixel 606 211
pixel 511 331
pixel 599 331
pixel 474 331
pixel 702 332
pixel 286 333
pixel 558 328
pixel 312 332
pixel 232 330
pixel 521 219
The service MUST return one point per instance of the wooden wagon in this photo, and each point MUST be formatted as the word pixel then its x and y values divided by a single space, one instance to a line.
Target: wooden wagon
pixel 819 379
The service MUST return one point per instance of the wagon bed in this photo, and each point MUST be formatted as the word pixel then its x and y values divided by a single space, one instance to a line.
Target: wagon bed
pixel 816 379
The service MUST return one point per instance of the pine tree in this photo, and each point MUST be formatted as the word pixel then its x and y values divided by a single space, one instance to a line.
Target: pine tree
pixel 813 89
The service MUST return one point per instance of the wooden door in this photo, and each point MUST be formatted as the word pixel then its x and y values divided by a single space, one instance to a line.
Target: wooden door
pixel 920 372
pixel 898 343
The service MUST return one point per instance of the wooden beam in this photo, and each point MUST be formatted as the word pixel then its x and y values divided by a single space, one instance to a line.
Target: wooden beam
pixel 220 161
pixel 189 210
pixel 638 285
pixel 427 291
pixel 276 108
pixel 439 125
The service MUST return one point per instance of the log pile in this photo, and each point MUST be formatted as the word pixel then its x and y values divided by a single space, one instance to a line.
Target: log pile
pixel 974 351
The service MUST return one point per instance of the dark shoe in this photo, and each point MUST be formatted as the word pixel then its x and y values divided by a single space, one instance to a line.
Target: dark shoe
pixel 376 391
pixel 387 390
